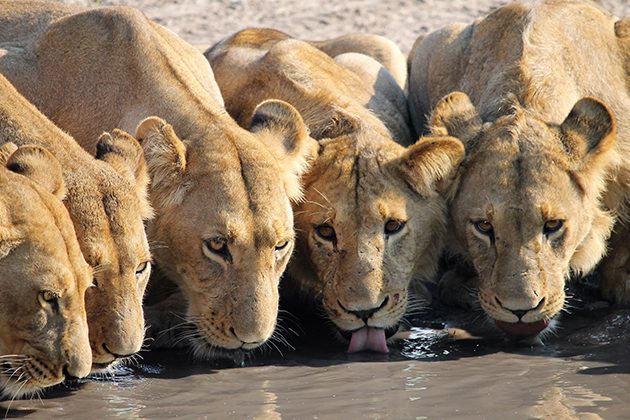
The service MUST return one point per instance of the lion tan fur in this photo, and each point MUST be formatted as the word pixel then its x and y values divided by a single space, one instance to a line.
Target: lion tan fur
pixel 361 182
pixel 381 49
pixel 106 198
pixel 43 276
pixel 223 229
pixel 544 114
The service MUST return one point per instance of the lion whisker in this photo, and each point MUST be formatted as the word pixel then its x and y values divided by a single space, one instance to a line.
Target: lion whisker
pixel 324 197
pixel 318 204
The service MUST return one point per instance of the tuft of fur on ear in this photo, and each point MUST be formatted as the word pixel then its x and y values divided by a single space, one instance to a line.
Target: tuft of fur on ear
pixel 455 115
pixel 589 136
pixel 124 153
pixel 336 124
pixel 6 150
pixel 40 166
pixel 283 131
pixel 165 155
pixel 429 165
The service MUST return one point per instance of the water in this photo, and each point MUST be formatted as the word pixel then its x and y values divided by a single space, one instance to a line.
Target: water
pixel 439 370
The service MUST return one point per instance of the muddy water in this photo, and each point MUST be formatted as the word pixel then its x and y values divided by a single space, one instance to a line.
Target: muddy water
pixel 437 371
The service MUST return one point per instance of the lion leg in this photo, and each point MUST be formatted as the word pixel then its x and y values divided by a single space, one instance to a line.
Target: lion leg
pixel 458 287
pixel 615 267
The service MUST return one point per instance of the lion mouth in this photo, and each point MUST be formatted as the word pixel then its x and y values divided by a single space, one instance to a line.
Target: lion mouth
pixel 368 339
pixel 523 329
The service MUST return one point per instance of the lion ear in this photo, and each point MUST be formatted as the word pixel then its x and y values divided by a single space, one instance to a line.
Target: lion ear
pixel 40 166
pixel 340 123
pixel 165 155
pixel 455 115
pixel 6 150
pixel 125 155
pixel 430 164
pixel 589 134
pixel 287 137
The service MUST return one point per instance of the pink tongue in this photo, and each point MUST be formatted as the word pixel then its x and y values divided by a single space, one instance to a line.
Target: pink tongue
pixel 367 338
pixel 523 329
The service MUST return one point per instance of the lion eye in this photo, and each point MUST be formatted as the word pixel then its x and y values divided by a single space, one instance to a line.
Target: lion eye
pixel 218 246
pixel 142 268
pixel 326 232
pixel 394 226
pixel 484 227
pixel 282 245
pixel 552 226
pixel 48 297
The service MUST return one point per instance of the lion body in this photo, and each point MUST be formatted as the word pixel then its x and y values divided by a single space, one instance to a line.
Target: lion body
pixel 107 209
pixel 357 185
pixel 220 185
pixel 536 154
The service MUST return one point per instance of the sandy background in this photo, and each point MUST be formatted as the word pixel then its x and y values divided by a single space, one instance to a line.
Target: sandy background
pixel 204 22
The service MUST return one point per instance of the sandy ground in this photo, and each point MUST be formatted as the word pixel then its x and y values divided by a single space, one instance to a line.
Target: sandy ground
pixel 204 22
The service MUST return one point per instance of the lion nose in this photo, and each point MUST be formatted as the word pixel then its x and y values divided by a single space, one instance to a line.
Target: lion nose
pixel 365 314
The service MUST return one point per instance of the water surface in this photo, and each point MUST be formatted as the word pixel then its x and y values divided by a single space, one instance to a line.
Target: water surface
pixel 437 371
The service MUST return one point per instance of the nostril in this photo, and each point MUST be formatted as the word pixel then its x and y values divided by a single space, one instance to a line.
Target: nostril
pixel 233 332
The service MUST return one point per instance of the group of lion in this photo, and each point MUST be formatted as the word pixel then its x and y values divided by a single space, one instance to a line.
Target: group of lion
pixel 274 157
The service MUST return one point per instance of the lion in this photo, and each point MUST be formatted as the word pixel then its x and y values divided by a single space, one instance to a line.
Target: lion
pixel 43 276
pixel 372 219
pixel 546 123
pixel 223 228
pixel 384 51
pixel 106 198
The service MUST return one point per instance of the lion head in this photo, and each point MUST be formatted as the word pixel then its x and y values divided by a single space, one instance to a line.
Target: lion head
pixel 526 209
pixel 108 211
pixel 224 232
pixel 43 325
pixel 372 220
pixel 371 227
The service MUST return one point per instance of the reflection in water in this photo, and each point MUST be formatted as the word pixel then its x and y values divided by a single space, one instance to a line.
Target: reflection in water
pixel 570 402
pixel 268 407
pixel 120 406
